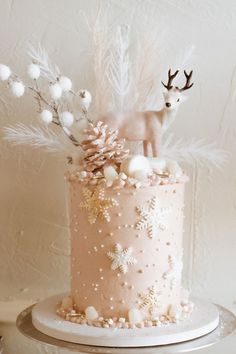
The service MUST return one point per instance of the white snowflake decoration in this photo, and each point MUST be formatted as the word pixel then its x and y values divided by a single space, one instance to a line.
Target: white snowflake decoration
pixel 121 258
pixel 152 217
pixel 97 205
pixel 150 300
pixel 175 269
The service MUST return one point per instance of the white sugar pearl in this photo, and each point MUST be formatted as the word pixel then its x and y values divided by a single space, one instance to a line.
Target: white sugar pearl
pixel 135 163
pixel 85 99
pixel 91 313
pixel 33 71
pixel 67 118
pixel 5 72
pixel 17 88
pixel 135 316
pixel 67 303
pixel 65 83
pixel 46 116
pixel 55 91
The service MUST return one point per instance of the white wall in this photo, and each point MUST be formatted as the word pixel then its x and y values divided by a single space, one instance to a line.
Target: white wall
pixel 34 248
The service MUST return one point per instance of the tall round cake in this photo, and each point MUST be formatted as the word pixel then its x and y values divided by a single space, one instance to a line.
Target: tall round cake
pixel 126 225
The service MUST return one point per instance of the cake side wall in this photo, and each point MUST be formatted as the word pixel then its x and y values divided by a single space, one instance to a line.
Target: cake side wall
pixel 152 280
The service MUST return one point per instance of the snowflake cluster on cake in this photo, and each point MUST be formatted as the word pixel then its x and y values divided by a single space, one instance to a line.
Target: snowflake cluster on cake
pixel 96 204
pixel 121 258
pixel 151 217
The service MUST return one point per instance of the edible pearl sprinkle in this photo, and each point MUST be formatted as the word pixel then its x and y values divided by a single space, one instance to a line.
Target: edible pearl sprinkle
pixel 111 307
pixel 100 231
pixel 111 298
pixel 85 237
pixel 102 246
pixel 118 193
pixel 119 214
pixel 101 278
pixel 100 269
pixel 111 234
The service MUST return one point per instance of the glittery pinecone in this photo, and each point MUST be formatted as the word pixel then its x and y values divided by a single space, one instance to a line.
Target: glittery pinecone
pixel 102 147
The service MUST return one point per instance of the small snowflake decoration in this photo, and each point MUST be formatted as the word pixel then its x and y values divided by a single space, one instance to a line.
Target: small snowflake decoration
pixel 175 269
pixel 97 205
pixel 152 217
pixel 150 300
pixel 121 258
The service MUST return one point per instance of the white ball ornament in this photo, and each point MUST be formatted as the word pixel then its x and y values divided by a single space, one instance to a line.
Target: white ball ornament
pixel 91 313
pixel 55 91
pixel 34 71
pixel 66 118
pixel 17 88
pixel 135 316
pixel 5 72
pixel 135 163
pixel 65 83
pixel 85 99
pixel 46 116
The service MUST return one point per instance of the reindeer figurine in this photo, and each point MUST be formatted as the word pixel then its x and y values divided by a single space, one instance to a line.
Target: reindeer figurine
pixel 148 126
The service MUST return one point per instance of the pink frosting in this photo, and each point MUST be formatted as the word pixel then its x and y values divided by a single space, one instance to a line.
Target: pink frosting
pixel 158 259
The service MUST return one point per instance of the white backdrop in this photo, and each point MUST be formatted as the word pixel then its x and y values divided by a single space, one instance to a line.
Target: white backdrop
pixel 34 247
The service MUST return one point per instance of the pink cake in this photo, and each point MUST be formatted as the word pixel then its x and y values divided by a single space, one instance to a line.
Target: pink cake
pixel 126 246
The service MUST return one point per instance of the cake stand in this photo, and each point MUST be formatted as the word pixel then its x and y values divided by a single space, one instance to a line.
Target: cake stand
pixel 227 324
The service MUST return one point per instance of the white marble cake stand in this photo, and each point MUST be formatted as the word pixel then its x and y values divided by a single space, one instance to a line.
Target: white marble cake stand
pixel 204 319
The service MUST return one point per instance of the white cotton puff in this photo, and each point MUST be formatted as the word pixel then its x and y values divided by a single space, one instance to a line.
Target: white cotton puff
pixel 17 88
pixel 135 316
pixel 55 91
pixel 46 116
pixel 85 99
pixel 135 163
pixel 66 118
pixel 33 71
pixel 5 72
pixel 91 313
pixel 65 83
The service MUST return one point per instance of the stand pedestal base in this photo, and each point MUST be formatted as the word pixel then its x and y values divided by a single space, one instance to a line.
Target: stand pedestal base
pixel 204 319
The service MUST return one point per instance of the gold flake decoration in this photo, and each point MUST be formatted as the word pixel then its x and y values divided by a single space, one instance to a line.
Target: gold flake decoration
pixel 151 217
pixel 121 258
pixel 150 300
pixel 97 205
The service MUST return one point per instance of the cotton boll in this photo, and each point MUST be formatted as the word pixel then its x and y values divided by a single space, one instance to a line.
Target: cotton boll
pixel 135 163
pixel 5 72
pixel 85 99
pixel 17 88
pixel 46 116
pixel 66 118
pixel 135 316
pixel 91 313
pixel 65 83
pixel 55 91
pixel 34 71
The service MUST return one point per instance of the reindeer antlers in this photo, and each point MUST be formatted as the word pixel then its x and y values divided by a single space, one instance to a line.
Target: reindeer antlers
pixel 188 79
pixel 171 77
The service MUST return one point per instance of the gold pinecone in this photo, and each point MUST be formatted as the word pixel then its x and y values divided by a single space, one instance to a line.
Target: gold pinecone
pixel 102 147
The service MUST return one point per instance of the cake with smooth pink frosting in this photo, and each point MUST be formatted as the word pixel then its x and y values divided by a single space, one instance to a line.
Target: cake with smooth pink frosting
pixel 126 224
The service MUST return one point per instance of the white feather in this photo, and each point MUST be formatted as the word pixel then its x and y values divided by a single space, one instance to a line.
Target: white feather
pixel 40 56
pixel 194 151
pixel 36 137
pixel 119 74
